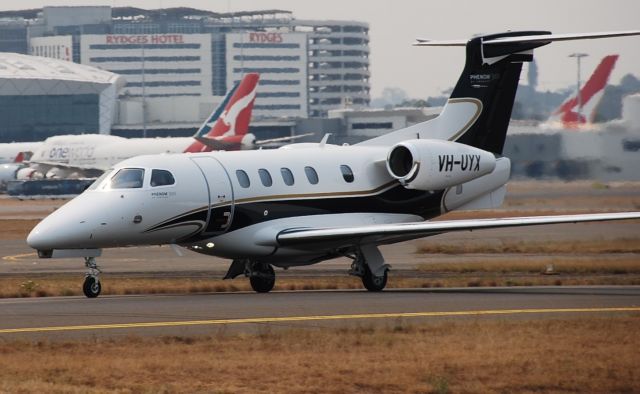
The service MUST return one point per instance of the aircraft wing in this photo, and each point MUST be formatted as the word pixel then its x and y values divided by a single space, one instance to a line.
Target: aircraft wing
pixel 52 164
pixel 379 233
pixel 282 139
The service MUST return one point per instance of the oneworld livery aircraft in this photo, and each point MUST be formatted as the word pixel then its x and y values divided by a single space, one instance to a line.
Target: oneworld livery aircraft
pixel 306 203
pixel 89 155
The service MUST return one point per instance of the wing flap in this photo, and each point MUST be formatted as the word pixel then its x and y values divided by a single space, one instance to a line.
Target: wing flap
pixel 301 236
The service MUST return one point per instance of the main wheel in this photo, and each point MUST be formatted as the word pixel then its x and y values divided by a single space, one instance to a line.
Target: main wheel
pixel 264 279
pixel 372 282
pixel 91 287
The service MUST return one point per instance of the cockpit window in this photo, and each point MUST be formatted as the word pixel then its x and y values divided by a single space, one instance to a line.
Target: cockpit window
pixel 161 178
pixel 98 181
pixel 128 178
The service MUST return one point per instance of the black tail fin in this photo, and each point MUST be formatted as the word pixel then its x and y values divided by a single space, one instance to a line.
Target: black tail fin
pixel 491 75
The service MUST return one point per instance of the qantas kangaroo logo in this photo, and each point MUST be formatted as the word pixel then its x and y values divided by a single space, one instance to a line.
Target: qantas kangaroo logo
pixel 469 163
pixel 230 116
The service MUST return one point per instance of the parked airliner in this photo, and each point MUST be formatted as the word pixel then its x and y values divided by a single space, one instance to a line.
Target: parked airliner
pixel 89 155
pixel 306 203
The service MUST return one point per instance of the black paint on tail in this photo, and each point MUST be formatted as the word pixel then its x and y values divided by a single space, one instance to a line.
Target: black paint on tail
pixel 491 75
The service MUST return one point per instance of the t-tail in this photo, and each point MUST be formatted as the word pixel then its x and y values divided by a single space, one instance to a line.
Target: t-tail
pixel 230 120
pixel 478 112
pixel 569 115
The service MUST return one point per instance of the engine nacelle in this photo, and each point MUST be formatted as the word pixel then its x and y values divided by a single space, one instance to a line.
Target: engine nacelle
pixel 248 142
pixel 27 173
pixel 437 164
pixel 9 171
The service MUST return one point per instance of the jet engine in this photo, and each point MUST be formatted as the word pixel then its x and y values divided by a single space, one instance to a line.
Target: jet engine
pixel 436 164
pixel 248 142
pixel 9 171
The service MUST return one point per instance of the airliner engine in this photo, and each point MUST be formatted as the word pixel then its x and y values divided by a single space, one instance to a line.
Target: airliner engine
pixel 437 165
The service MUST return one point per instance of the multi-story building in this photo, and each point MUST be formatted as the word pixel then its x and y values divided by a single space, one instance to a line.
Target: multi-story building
pixel 281 61
pixel 154 65
pixel 333 68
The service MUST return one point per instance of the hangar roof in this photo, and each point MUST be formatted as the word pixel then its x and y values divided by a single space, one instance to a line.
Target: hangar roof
pixel 14 65
pixel 24 74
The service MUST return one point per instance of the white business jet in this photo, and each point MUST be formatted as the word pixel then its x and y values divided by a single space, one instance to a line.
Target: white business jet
pixel 306 203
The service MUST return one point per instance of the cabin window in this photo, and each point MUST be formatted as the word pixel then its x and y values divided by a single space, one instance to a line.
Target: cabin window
pixel 312 175
pixel 347 174
pixel 127 178
pixel 265 177
pixel 243 178
pixel 287 176
pixel 161 178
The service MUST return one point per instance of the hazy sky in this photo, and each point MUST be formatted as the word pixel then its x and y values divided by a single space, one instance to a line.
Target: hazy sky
pixel 427 71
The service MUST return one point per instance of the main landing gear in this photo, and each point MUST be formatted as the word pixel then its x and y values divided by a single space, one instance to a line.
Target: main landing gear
pixel 369 265
pixel 261 275
pixel 91 286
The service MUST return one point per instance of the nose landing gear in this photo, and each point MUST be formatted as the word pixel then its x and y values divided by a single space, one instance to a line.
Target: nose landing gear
pixel 92 286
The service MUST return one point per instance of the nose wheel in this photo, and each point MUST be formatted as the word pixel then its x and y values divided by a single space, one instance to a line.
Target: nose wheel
pixel 91 286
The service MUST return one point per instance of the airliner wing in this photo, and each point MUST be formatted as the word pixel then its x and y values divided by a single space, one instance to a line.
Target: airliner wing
pixel 379 233
pixel 52 164
pixel 282 139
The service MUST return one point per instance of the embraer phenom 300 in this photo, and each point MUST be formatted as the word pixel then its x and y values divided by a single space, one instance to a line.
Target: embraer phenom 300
pixel 306 203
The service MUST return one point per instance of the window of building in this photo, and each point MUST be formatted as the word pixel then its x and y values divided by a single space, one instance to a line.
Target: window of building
pixel 287 176
pixel 380 125
pixel 243 178
pixel 265 177
pixel 128 178
pixel 347 174
pixel 161 178
pixel 312 175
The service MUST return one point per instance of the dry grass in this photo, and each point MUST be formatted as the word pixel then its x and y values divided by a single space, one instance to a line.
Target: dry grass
pixel 429 276
pixel 538 265
pixel 621 245
pixel 570 355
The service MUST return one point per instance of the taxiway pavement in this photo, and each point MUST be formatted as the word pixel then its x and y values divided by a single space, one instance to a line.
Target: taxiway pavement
pixel 211 314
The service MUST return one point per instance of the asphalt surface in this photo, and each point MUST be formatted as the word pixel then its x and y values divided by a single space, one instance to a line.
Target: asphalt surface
pixel 210 314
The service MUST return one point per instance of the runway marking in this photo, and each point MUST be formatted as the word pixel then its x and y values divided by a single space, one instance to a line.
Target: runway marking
pixel 290 319
pixel 16 257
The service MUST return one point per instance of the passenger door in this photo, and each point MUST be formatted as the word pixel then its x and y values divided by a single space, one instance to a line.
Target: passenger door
pixel 220 195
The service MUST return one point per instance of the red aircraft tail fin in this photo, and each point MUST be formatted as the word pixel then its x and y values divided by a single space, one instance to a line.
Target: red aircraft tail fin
pixel 590 94
pixel 234 119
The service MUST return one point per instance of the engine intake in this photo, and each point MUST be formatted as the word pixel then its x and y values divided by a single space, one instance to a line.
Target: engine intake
pixel 436 164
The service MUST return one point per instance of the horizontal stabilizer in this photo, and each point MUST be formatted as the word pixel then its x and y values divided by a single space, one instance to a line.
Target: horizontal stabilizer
pixel 541 38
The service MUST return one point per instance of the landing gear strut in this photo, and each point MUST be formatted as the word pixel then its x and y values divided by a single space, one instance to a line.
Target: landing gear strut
pixel 369 265
pixel 91 286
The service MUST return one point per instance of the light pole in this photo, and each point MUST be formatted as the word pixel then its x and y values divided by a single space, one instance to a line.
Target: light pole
pixel 579 56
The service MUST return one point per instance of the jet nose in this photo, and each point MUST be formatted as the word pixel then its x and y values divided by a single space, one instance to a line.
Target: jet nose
pixel 36 239
pixel 66 228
